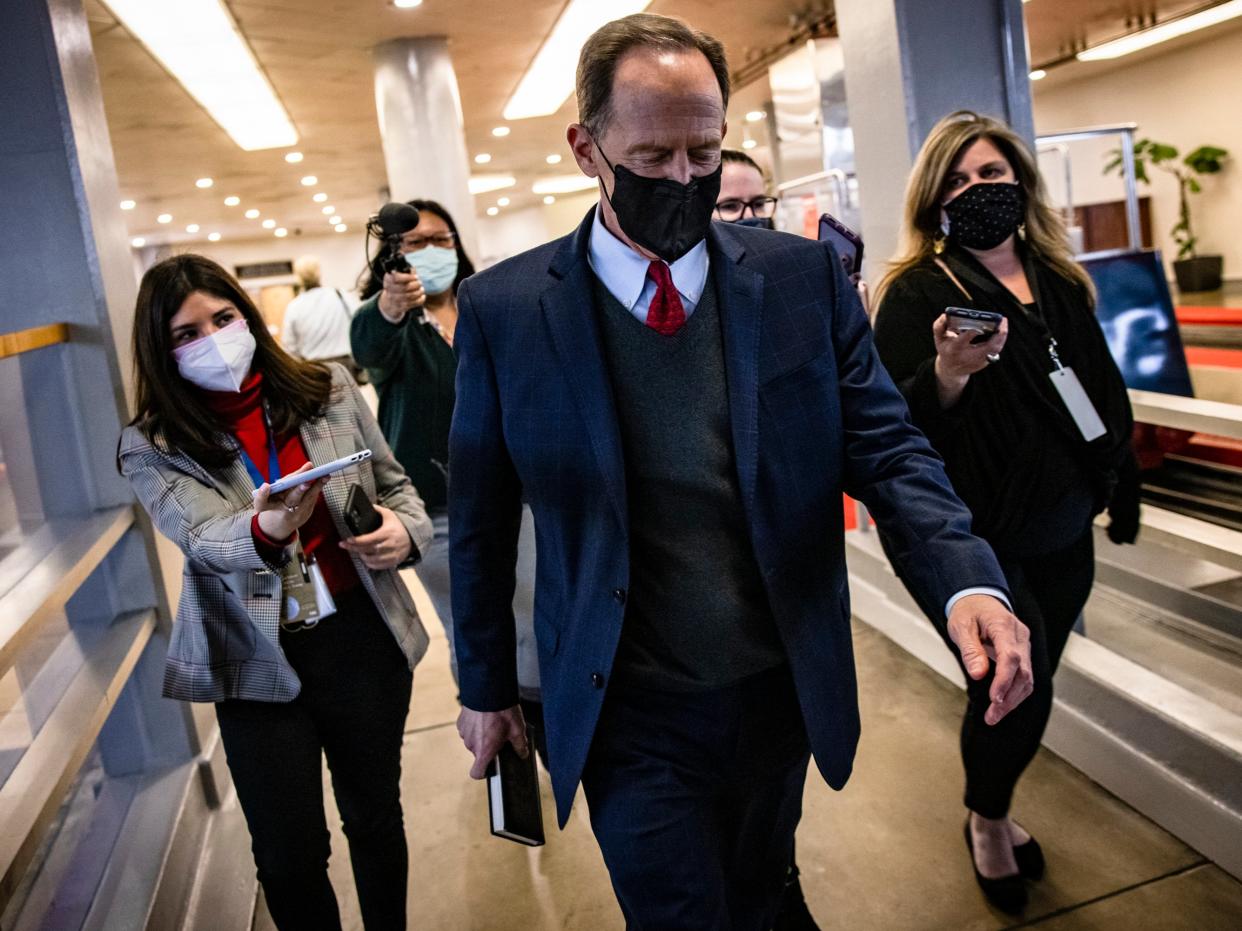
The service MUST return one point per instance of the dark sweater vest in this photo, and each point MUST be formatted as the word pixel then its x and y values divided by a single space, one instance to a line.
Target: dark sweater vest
pixel 697 616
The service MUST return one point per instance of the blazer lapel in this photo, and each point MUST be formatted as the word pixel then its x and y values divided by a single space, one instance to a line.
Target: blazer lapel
pixel 740 294
pixel 567 306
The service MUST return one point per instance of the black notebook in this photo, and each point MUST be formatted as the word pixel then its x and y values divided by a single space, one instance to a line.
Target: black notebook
pixel 513 797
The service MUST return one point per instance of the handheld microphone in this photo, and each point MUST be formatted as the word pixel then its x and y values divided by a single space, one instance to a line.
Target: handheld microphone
pixel 388 226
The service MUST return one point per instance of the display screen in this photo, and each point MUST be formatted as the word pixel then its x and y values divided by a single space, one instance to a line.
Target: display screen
pixel 1135 310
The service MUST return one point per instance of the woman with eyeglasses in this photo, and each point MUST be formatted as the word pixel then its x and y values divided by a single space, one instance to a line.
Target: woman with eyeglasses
pixel 743 196
pixel 302 636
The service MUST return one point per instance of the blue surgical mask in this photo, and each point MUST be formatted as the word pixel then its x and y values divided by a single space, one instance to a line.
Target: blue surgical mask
pixel 436 267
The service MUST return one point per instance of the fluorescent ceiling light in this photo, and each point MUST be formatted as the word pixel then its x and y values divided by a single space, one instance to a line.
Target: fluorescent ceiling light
pixel 482 184
pixel 201 46
pixel 549 80
pixel 563 184
pixel 406 4
pixel 1163 32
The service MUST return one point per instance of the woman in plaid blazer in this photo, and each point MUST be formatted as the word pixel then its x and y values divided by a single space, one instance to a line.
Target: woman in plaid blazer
pixel 221 410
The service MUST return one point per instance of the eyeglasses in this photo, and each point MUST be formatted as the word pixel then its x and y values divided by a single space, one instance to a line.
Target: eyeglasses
pixel 733 209
pixel 443 240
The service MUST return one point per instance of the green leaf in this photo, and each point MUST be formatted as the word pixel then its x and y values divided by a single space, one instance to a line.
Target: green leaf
pixel 1193 185
pixel 1206 160
pixel 1159 152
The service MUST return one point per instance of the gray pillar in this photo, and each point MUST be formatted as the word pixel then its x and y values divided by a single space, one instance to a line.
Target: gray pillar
pixel 907 64
pixel 421 124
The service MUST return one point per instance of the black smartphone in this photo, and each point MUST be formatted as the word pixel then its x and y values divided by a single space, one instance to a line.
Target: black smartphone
pixel 360 514
pixel 849 245
pixel 984 323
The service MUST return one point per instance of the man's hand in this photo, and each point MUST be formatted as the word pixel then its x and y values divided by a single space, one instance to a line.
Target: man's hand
pixel 485 732
pixel 983 629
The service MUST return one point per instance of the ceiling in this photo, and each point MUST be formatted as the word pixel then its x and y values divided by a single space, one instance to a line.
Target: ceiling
pixel 317 54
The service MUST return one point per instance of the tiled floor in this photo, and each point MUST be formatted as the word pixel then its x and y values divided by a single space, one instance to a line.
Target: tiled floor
pixel 885 854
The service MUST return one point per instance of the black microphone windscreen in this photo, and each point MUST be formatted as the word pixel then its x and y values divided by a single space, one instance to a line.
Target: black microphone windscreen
pixel 397 219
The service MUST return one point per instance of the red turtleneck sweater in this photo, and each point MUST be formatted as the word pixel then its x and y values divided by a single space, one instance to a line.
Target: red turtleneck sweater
pixel 242 415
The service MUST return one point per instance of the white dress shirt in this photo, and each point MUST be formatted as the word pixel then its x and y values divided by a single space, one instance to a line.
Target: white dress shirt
pixel 624 273
pixel 316 324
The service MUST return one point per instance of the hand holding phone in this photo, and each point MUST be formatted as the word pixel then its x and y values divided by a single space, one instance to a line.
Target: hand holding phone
pixel 360 514
pixel 847 243
pixel 983 323
pixel 294 479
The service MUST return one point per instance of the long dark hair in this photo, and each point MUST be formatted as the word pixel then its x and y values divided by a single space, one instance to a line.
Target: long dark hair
pixel 171 411
pixel 372 278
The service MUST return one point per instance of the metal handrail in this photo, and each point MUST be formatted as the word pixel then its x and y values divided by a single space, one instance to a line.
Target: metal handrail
pixel 1170 410
pixel 1129 177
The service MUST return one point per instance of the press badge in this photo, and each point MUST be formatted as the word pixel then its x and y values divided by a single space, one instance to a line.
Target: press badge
pixel 1075 398
pixel 305 596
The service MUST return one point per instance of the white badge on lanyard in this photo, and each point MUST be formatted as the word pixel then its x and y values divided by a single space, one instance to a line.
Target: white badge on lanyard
pixel 1075 397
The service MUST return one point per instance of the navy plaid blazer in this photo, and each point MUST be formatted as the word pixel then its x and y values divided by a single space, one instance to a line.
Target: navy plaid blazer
pixel 813 414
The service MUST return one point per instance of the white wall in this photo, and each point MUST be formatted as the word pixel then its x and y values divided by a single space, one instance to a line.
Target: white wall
pixel 509 233
pixel 341 256
pixel 1186 95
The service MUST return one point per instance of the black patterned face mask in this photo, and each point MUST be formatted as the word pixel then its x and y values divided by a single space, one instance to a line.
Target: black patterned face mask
pixel 984 215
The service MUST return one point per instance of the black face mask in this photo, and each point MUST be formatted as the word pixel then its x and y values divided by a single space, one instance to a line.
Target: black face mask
pixel 663 216
pixel 984 215
pixel 763 223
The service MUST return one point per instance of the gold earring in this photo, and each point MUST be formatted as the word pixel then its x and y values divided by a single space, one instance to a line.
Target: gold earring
pixel 938 243
pixel 1022 231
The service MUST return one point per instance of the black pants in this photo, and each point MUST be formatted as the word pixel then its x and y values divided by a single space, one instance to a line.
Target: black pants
pixel 694 800
pixel 1048 593
pixel 355 696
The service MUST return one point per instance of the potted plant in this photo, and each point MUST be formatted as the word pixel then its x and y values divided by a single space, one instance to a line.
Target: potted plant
pixel 1194 272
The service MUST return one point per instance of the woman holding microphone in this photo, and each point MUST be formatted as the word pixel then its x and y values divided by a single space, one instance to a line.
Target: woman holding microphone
pixel 303 636
pixel 1031 416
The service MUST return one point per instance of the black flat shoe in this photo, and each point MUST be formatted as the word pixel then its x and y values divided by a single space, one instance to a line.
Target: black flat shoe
pixel 1030 860
pixel 1007 893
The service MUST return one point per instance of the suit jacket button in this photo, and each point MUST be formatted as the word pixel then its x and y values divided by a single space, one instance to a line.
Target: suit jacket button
pixel 597 680
pixel 618 595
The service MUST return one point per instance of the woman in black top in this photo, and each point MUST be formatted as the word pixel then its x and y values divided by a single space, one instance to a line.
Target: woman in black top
pixel 979 233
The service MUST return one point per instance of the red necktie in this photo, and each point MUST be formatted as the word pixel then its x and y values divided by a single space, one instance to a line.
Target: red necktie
pixel 666 315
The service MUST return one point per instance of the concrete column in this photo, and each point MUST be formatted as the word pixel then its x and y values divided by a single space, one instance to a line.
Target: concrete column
pixel 907 64
pixel 421 124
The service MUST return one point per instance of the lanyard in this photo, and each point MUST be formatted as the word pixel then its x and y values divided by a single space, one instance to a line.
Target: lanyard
pixel 995 291
pixel 273 461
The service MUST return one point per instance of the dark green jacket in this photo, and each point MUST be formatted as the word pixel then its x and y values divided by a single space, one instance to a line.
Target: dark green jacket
pixel 413 370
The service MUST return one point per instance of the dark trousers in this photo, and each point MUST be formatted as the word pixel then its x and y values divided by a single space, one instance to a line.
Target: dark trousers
pixel 1048 593
pixel 352 708
pixel 694 800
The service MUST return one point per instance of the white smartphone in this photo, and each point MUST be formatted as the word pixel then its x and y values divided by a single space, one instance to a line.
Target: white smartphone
pixel 304 478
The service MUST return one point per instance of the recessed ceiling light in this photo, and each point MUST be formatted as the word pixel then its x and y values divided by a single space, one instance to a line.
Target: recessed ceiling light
pixel 201 46
pixel 334 220
pixel 293 157
pixel 754 116
pixel 320 197
pixel 500 132
pixel 749 143
pixel 213 237
pixel 232 201
pixel 164 218
pixel 563 184
pixel 1038 74
pixel 204 182
pixel 281 233
pixel 482 184
pixel 553 159
pixel 549 200
pixel 549 80
pixel 269 224
pixel 492 211
pixel 406 4
pixel 128 205
pixel 482 158
pixel 341 227
pixel 192 228
pixel 1167 30
pixel 252 214
pixel 502 202
pixel 310 181
pixel 328 209
pixel 137 242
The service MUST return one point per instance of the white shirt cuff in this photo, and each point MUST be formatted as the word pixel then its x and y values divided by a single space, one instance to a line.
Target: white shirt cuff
pixel 994 592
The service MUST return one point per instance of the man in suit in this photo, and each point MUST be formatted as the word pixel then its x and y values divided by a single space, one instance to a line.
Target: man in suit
pixel 681 403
